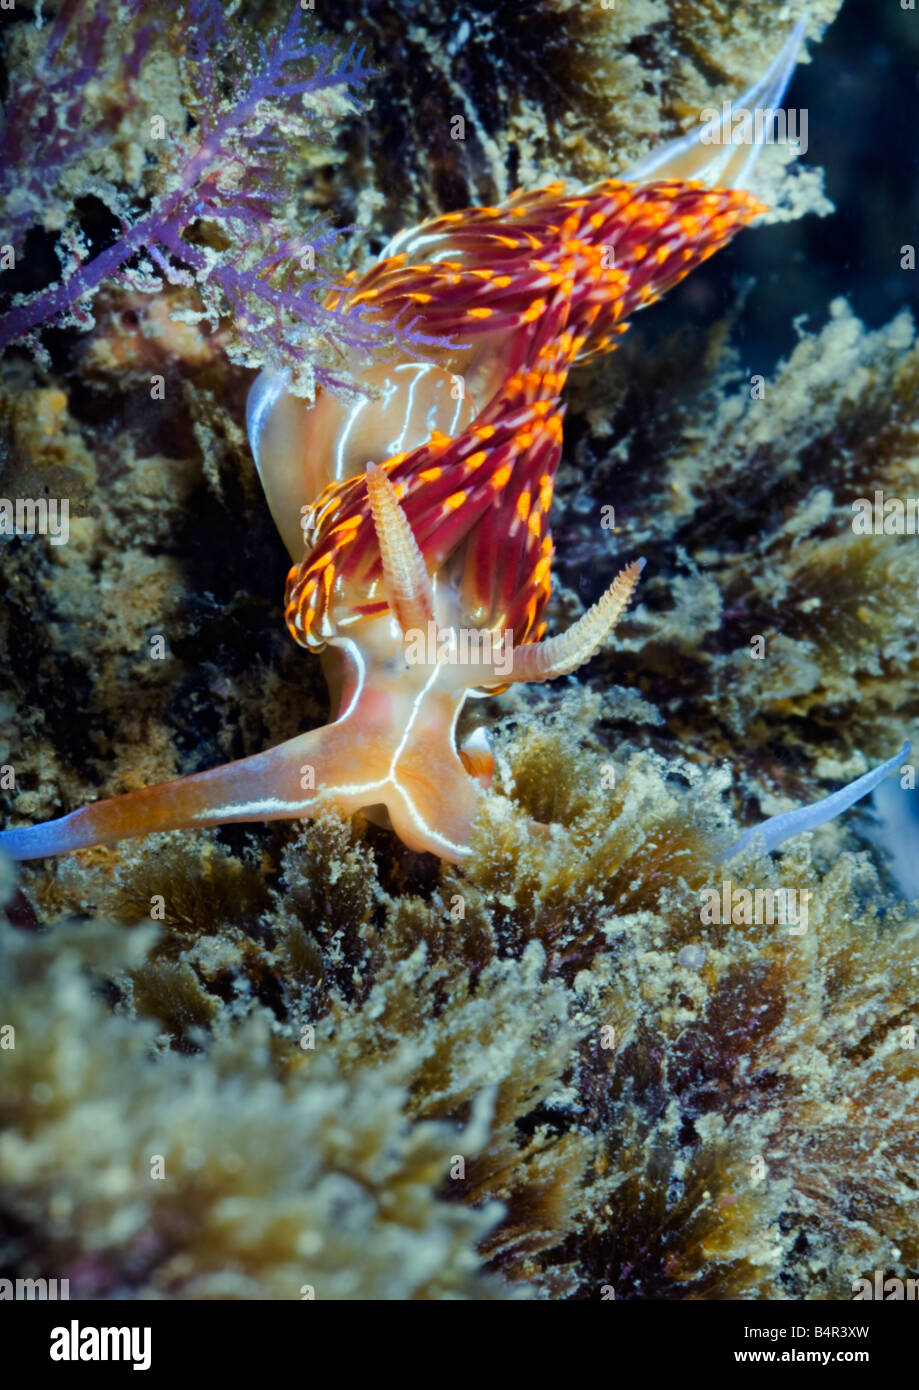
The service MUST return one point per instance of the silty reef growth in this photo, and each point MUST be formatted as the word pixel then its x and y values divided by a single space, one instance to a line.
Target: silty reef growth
pixel 640 1099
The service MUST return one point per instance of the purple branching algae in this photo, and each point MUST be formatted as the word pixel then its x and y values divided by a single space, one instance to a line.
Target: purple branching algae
pixel 216 222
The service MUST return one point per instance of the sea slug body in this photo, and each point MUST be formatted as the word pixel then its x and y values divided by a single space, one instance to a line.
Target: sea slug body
pixel 417 516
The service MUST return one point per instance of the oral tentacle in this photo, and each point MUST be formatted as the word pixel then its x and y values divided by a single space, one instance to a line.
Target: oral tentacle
pixel 408 764
pixel 265 786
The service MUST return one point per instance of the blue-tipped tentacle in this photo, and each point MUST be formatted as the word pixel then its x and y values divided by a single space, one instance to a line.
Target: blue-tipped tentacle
pixel 771 833
pixel 716 160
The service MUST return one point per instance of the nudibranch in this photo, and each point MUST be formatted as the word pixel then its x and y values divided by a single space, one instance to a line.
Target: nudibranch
pixel 417 515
